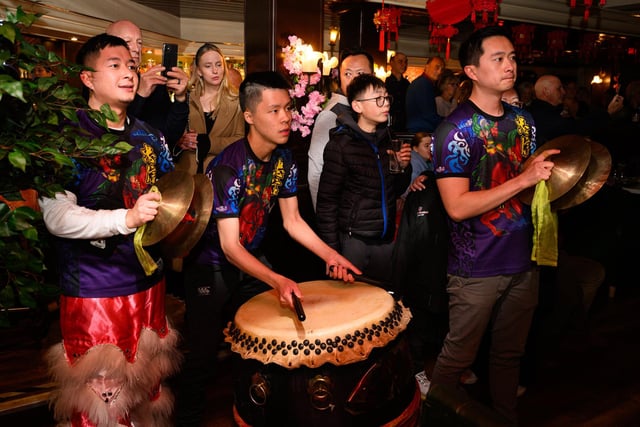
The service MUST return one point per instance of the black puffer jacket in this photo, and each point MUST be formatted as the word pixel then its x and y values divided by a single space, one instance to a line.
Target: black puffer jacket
pixel 357 193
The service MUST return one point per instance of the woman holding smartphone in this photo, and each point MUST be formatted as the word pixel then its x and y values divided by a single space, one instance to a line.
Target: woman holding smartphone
pixel 215 119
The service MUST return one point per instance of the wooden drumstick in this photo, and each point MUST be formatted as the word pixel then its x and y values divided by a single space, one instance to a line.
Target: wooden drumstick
pixel 298 306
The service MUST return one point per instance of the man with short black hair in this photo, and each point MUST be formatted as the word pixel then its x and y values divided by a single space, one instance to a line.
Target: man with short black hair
pixel 479 156
pixel 117 346
pixel 227 267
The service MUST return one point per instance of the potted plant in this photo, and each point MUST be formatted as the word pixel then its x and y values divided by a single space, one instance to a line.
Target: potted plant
pixel 39 143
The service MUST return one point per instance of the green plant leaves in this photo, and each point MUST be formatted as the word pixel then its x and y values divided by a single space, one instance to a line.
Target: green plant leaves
pixel 40 141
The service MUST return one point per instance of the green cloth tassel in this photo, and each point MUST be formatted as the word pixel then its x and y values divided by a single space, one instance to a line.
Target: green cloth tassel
pixel 545 228
pixel 147 262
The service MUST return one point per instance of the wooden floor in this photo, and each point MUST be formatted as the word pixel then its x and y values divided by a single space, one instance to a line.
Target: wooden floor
pixel 593 382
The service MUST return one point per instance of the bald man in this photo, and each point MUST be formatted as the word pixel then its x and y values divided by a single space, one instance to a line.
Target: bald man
pixel 153 103
pixel 547 108
pixel 421 110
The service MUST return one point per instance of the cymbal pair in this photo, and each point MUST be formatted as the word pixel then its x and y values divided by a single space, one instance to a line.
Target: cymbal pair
pixel 580 170
pixel 183 214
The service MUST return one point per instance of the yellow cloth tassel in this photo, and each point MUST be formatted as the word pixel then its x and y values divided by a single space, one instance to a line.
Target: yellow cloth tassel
pixel 545 228
pixel 147 262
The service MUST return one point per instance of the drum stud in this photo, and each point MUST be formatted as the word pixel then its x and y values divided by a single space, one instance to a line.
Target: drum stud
pixel 294 343
pixel 285 352
pixel 306 351
pixel 340 348
pixel 306 342
pixel 323 346
pixel 318 341
pixel 295 351
pixel 329 349
pixel 318 351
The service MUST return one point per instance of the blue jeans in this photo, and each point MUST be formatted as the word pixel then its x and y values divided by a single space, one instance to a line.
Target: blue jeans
pixel 507 304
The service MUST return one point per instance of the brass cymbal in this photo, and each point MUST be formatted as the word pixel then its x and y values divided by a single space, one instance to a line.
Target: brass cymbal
pixel 176 189
pixel 569 165
pixel 591 181
pixel 185 236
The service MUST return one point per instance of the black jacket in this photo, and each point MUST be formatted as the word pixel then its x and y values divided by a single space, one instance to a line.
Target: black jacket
pixel 420 252
pixel 170 118
pixel 357 193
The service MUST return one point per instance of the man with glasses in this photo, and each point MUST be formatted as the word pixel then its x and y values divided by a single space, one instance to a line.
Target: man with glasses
pixel 356 206
pixel 353 62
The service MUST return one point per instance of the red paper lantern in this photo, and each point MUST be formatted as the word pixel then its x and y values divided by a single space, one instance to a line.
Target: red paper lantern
pixel 443 14
pixel 587 6
pixel 387 22
pixel 556 42
pixel 484 8
pixel 441 36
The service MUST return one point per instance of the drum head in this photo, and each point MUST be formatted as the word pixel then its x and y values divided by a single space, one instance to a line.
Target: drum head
pixel 344 322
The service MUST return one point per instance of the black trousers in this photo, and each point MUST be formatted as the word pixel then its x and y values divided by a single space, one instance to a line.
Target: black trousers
pixel 212 296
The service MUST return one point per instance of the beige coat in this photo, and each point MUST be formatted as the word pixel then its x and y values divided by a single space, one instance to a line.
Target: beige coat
pixel 228 128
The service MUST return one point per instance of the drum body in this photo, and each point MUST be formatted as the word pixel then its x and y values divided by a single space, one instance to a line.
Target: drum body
pixel 329 377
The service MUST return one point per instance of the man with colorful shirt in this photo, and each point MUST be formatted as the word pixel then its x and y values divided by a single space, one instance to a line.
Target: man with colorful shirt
pixel 226 268
pixel 117 346
pixel 479 159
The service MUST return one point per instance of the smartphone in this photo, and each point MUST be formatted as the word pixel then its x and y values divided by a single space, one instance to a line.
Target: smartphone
pixel 169 57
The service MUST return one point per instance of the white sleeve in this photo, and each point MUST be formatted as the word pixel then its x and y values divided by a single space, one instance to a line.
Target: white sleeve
pixel 325 121
pixel 64 218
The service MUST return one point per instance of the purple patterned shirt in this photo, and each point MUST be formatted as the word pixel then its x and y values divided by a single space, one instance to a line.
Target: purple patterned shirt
pixel 489 151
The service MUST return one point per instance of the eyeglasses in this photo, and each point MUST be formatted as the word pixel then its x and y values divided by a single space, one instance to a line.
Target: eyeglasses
pixel 379 100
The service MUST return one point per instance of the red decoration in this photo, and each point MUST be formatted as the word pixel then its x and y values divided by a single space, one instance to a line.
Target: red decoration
pixel 522 39
pixel 443 14
pixel 387 22
pixel 441 35
pixel 587 6
pixel 484 8
pixel 556 42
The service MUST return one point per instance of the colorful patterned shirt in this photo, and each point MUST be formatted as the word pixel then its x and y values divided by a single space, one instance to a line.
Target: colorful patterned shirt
pixel 489 151
pixel 109 267
pixel 246 188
